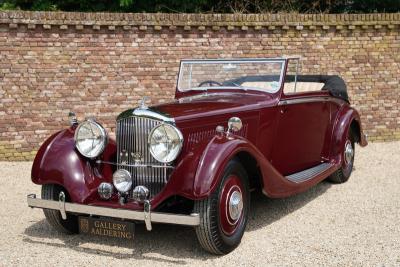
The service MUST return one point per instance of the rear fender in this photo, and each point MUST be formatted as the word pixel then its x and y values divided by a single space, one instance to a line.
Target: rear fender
pixel 347 118
pixel 58 162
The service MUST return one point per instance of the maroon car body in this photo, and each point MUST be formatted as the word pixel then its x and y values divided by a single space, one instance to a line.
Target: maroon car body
pixel 281 135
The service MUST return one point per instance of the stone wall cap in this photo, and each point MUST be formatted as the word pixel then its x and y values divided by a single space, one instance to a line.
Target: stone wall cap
pixel 189 22
pixel 181 20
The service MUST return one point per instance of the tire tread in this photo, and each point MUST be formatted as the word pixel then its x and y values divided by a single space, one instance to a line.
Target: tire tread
pixel 68 226
pixel 208 232
pixel 339 177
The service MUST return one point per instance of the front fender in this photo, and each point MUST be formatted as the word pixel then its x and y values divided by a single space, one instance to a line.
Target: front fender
pixel 58 162
pixel 218 152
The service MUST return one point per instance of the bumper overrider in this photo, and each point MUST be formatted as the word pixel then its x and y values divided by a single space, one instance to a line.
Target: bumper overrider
pixel 146 215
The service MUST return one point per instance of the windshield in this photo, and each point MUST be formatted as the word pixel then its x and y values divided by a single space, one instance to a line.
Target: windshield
pixel 248 74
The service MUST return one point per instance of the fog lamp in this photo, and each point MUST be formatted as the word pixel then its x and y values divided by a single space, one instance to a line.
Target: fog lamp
pixel 140 193
pixel 105 190
pixel 122 180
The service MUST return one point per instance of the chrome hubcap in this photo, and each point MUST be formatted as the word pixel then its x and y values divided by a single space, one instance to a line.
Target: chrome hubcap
pixel 235 205
pixel 348 152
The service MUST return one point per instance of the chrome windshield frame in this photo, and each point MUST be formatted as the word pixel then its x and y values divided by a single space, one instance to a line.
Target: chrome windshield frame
pixel 234 61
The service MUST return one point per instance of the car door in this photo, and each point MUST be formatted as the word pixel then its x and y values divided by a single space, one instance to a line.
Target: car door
pixel 303 123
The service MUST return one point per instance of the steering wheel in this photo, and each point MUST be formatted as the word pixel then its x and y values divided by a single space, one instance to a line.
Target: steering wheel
pixel 210 83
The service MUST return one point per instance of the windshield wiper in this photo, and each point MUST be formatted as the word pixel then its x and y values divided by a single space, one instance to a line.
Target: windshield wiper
pixel 232 84
pixel 199 88
pixel 239 86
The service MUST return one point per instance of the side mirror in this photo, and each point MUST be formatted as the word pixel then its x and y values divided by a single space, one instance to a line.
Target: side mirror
pixel 234 124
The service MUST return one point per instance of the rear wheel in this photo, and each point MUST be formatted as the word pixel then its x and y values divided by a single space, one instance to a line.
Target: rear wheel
pixel 68 226
pixel 344 172
pixel 224 214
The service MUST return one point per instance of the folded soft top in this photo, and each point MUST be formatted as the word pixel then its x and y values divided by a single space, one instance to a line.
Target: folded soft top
pixel 333 83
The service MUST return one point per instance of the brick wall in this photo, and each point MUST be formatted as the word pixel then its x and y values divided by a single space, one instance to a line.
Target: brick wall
pixel 100 64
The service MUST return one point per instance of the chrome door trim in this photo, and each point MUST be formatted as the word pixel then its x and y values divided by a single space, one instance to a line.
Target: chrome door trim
pixel 309 100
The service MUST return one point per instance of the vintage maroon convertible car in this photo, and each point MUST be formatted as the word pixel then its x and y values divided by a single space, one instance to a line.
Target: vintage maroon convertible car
pixel 234 126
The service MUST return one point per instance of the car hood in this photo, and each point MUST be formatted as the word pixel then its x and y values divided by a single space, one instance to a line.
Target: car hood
pixel 212 104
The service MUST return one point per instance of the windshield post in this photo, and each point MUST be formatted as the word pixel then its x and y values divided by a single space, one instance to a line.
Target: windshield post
pixel 295 77
pixel 190 75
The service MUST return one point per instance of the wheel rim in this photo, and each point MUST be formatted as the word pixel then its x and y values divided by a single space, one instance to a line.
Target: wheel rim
pixel 348 153
pixel 231 204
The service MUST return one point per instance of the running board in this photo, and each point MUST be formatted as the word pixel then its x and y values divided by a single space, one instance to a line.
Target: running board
pixel 308 174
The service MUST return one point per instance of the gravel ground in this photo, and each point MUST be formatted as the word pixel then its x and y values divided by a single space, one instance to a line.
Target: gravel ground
pixel 353 224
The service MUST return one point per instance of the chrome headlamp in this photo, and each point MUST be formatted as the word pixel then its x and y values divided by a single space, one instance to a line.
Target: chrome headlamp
pixel 90 138
pixel 165 142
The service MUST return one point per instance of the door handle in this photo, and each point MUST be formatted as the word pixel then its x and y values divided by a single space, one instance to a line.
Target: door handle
pixel 283 106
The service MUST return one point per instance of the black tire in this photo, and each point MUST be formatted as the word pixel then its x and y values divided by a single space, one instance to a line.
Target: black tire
pixel 343 174
pixel 210 233
pixel 68 226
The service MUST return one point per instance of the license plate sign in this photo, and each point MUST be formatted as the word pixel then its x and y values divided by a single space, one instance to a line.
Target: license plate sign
pixel 106 228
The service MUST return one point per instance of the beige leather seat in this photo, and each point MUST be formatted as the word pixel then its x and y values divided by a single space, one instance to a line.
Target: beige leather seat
pixel 289 87
pixel 268 86
pixel 303 87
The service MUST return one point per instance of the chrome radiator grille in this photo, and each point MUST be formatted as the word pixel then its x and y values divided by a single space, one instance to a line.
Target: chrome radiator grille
pixel 132 134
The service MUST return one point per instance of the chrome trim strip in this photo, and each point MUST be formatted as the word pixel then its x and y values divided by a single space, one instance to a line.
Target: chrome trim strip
pixel 147 113
pixel 156 217
pixel 233 60
pixel 308 100
pixel 135 165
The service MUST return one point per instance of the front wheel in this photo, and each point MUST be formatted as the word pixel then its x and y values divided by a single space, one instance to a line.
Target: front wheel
pixel 68 226
pixel 224 214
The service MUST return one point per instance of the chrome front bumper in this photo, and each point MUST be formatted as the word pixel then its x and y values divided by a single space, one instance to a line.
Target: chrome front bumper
pixel 146 215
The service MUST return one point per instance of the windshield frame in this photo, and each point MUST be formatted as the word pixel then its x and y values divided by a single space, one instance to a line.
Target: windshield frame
pixel 233 61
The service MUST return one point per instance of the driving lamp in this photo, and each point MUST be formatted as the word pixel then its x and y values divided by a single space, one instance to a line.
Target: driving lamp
pixel 122 180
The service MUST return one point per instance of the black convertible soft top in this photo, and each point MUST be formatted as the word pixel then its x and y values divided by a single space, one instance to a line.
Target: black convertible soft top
pixel 333 83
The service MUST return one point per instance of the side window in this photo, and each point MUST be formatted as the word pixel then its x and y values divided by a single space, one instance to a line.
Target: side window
pixel 294 82
pixel 293 69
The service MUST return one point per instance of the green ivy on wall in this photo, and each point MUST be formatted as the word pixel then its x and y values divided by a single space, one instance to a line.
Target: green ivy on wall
pixel 207 6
